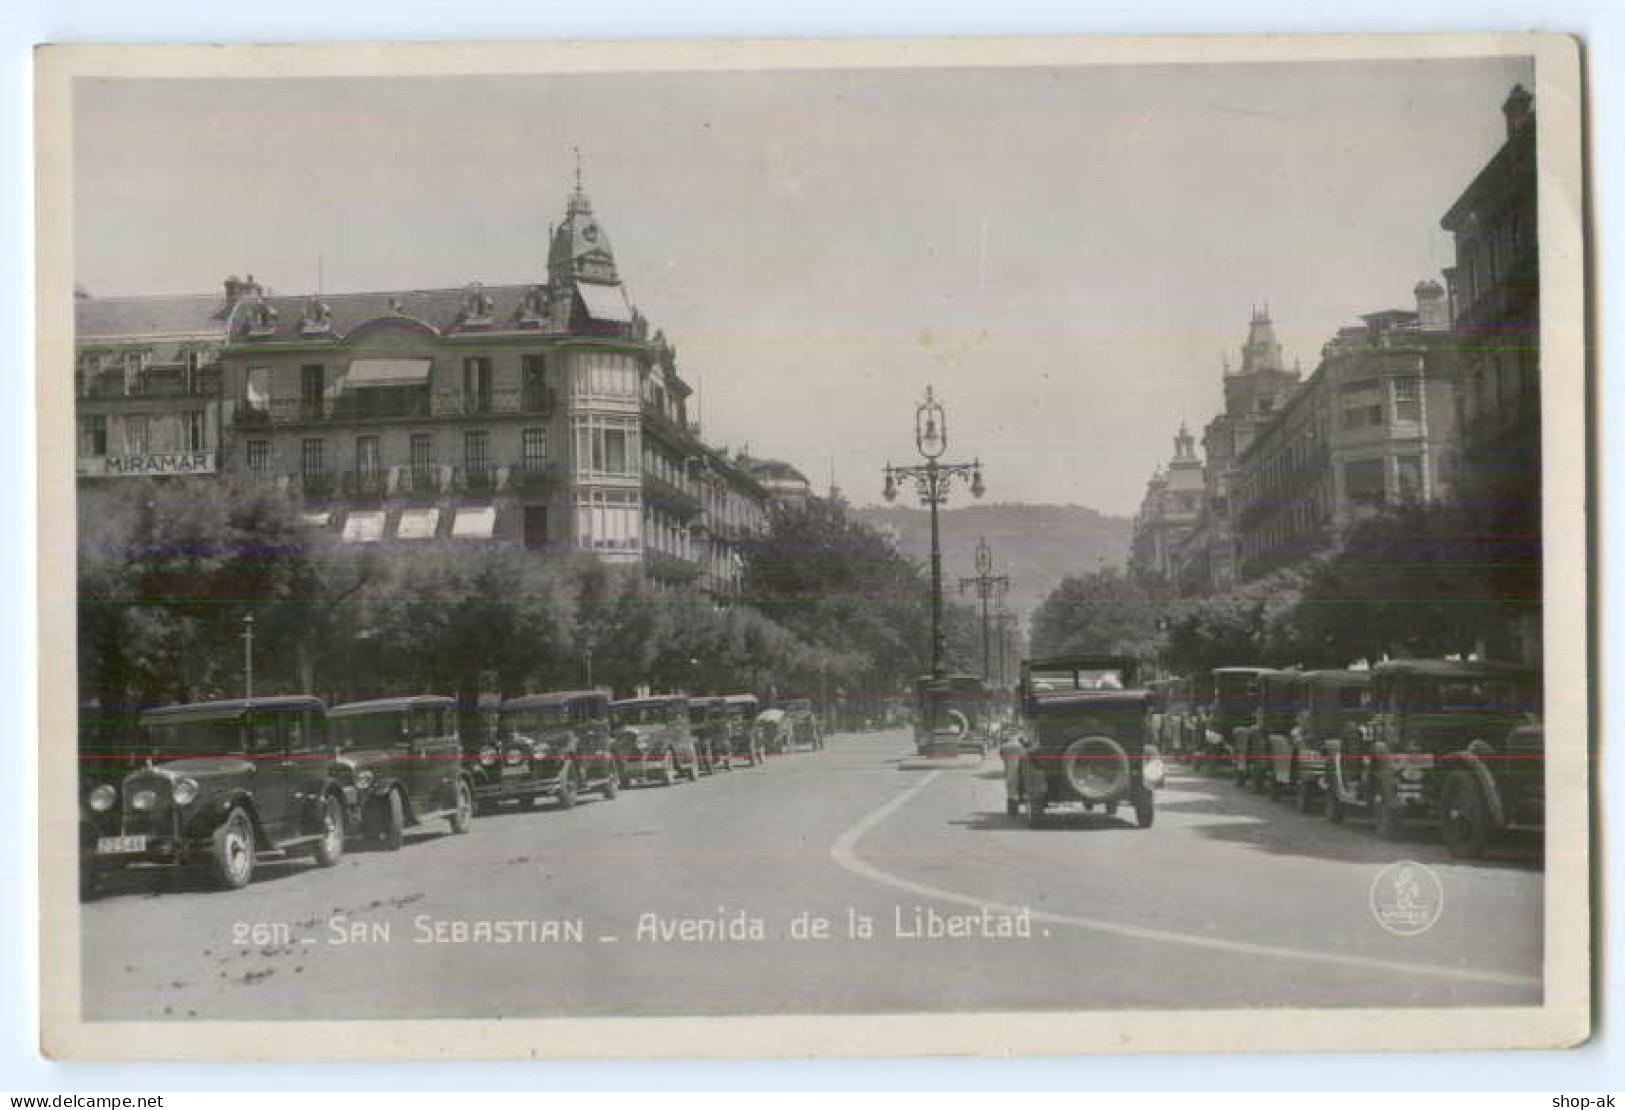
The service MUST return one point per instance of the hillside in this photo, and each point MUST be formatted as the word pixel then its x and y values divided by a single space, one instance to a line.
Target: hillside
pixel 1036 545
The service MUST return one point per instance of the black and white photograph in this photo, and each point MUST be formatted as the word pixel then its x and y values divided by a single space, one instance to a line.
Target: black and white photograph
pixel 978 547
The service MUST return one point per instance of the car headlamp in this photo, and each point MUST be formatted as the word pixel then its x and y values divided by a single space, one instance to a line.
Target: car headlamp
pixel 185 791
pixel 102 798
pixel 488 755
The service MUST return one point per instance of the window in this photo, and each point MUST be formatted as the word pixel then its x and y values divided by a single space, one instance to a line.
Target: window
pixel 607 444
pixel 476 385
pixel 257 389
pixel 368 460
pixel 258 454
pixel 192 430
pixel 533 378
pixel 1362 404
pixel 476 458
pixel 312 388
pixel 1407 400
pixel 312 456
pixel 1365 482
pixel 535 525
pixel 422 454
pixel 137 434
pixel 534 448
pixel 1411 478
pixel 95 436
pixel 608 520
pixel 606 374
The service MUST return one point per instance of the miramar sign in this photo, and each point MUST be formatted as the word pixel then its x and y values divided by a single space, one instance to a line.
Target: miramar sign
pixel 143 466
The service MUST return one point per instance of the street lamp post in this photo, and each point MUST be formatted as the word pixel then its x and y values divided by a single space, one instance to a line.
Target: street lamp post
pixel 248 657
pixel 987 584
pixel 932 480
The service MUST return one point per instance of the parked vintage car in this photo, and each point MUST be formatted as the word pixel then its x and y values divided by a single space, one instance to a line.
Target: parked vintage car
pixel 803 721
pixel 1236 694
pixel 1493 786
pixel 226 784
pixel 1336 706
pixel 1430 716
pixel 1085 739
pixel 772 731
pixel 403 762
pixel 1265 754
pixel 723 732
pixel 652 739
pixel 567 734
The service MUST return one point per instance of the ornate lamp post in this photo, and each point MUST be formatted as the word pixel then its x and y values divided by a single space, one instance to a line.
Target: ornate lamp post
pixel 932 480
pixel 987 585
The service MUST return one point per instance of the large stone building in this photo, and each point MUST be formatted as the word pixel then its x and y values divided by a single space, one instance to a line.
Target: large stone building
pixel 1169 511
pixel 544 415
pixel 1374 425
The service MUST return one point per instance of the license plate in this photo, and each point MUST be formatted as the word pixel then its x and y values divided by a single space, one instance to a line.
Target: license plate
pixel 118 845
pixel 515 771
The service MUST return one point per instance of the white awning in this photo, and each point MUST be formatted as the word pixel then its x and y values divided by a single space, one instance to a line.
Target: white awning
pixel 417 524
pixel 366 526
pixel 605 302
pixel 375 372
pixel 317 520
pixel 475 522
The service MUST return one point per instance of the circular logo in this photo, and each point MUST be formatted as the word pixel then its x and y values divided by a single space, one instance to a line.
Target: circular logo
pixel 1407 898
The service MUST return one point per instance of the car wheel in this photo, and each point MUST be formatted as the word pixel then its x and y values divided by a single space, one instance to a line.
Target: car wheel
pixel 1464 818
pixel 463 816
pixel 389 822
pixel 331 846
pixel 611 788
pixel 1145 809
pixel 567 790
pixel 1331 806
pixel 1305 795
pixel 668 769
pixel 231 861
pixel 1034 809
pixel 694 769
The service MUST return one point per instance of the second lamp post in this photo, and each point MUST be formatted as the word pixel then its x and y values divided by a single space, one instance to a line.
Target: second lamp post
pixel 932 480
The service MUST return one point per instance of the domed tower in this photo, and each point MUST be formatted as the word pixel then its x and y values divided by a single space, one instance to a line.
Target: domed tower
pixel 581 260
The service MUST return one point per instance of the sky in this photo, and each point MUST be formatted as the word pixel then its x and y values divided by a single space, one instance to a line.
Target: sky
pixel 1065 254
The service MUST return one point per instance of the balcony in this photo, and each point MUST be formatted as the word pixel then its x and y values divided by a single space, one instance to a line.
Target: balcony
pixel 536 475
pixel 526 401
pixel 372 482
pixel 316 484
pixel 157 380
pixel 364 406
pixel 661 494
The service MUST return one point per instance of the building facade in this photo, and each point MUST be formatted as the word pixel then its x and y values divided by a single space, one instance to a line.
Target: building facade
pixel 543 415
pixel 1375 425
pixel 1169 512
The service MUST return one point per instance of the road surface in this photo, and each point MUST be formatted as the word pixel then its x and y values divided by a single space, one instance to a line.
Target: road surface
pixel 817 884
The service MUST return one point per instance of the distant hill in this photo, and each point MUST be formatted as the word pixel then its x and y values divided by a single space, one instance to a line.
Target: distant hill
pixel 1036 545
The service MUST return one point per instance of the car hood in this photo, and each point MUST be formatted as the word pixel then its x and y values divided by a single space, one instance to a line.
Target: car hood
pixel 198 767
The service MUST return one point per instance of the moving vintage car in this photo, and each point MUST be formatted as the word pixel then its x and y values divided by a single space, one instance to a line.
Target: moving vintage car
pixel 1337 706
pixel 1236 694
pixel 1086 739
pixel 403 763
pixel 653 741
pixel 803 722
pixel 772 731
pixel 951 711
pixel 226 783
pixel 1432 717
pixel 567 736
pixel 1264 756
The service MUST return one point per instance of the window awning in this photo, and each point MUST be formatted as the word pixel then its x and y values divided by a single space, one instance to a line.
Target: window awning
pixel 475 522
pixel 317 520
pixel 417 524
pixel 368 373
pixel 366 526
pixel 605 302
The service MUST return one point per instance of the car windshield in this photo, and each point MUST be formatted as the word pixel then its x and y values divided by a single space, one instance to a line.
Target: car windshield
pixel 533 719
pixel 1483 695
pixel 1069 680
pixel 1353 698
pixel 192 739
pixel 366 731
pixel 641 714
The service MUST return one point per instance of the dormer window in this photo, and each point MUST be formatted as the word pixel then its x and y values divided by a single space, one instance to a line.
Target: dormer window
pixel 318 317
pixel 477 307
pixel 262 319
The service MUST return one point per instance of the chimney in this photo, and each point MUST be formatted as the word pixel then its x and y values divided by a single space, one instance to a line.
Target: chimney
pixel 1519 109
pixel 234 289
pixel 1432 306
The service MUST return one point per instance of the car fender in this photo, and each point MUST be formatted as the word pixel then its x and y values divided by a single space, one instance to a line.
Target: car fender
pixel 1472 759
pixel 201 824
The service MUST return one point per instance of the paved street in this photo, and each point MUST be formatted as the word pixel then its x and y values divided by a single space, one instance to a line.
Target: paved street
pixel 1230 900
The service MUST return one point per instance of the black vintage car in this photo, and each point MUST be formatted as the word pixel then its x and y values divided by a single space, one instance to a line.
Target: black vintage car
pixel 1336 707
pixel 226 783
pixel 404 764
pixel 1086 739
pixel 552 745
pixel 1491 787
pixel 952 713
pixel 653 741
pixel 1265 755
pixel 1237 692
pixel 1433 718
pixel 722 730
pixel 803 723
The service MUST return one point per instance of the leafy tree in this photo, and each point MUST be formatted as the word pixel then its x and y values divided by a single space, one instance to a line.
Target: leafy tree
pixel 1103 611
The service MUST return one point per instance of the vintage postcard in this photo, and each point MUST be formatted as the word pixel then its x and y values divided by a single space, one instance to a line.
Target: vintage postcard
pixel 825 548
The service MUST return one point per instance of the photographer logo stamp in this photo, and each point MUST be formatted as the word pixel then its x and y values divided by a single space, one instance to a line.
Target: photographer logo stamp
pixel 1407 898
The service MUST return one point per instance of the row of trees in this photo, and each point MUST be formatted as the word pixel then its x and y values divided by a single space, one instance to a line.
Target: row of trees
pixel 1416 580
pixel 169 569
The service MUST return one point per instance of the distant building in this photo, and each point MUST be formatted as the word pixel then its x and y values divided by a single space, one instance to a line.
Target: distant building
pixel 1374 425
pixel 543 415
pixel 1253 393
pixel 1168 512
pixel 785 484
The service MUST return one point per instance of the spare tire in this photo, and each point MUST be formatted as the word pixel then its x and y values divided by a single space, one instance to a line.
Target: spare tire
pixel 1095 767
